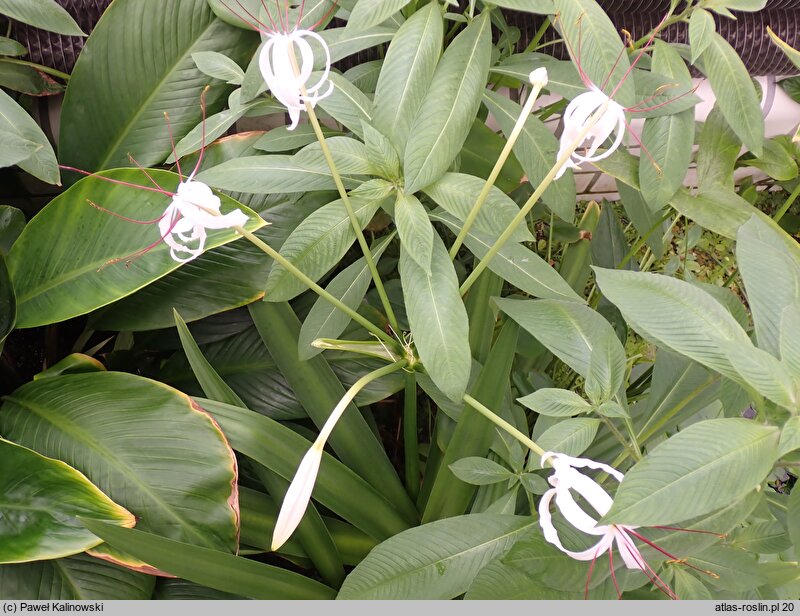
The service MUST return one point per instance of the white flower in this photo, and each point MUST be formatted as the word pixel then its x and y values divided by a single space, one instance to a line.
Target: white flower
pixel 287 77
pixel 194 208
pixel 297 496
pixel 576 117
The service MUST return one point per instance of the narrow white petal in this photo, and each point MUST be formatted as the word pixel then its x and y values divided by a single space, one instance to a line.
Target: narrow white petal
pixel 297 497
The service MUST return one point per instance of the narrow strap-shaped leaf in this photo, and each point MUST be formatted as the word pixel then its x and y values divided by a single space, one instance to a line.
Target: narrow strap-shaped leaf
pixel 448 109
pixel 211 568
pixel 415 230
pixel 318 390
pixel 369 13
pixel 474 433
pixel 438 319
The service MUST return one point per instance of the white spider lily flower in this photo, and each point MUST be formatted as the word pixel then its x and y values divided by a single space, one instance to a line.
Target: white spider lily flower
pixel 297 496
pixel 566 479
pixel 576 117
pixel 194 208
pixel 287 78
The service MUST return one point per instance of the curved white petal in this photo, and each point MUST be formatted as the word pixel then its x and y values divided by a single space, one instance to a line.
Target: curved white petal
pixel 551 534
pixel 297 497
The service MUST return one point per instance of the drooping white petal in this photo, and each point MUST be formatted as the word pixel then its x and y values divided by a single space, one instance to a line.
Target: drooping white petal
pixel 577 115
pixel 297 496
pixel 288 80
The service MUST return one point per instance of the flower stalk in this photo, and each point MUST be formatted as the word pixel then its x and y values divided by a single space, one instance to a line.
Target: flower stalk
pixel 538 79
pixel 298 495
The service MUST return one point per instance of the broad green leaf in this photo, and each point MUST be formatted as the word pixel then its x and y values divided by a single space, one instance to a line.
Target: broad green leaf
pixel 12 222
pixel 350 156
pixel 349 286
pixel 17 127
pixel 772 278
pixel 281 139
pixel 170 466
pixel 438 319
pixel 69 259
pixel 480 471
pixel 76 577
pixel 213 568
pixel 793 517
pixel 542 7
pixel 499 581
pixel 15 148
pixel 381 153
pixel 280 449
pixel 688 587
pixel 415 230
pixel 176 589
pixel 734 570
pixel 368 13
pixel 762 538
pixel 787 49
pixel 406 74
pixel 449 106
pixel 536 149
pixel 569 436
pixel 776 161
pixel 132 81
pixel 676 314
pixel 734 90
pixel 517 264
pixel 481 151
pixel 767 375
pixel 568 329
pixel 347 104
pixel 457 192
pixel 606 370
pixel 434 561
pixel 74 363
pixel 10 47
pixel 718 150
pixel 555 402
pixel 790 436
pixel 667 139
pixel 277 173
pixel 789 338
pixel 696 471
pixel 721 211
pixel 39 502
pixel 609 245
pixel 343 42
pixel 589 31
pixel 562 76
pixel 364 76
pixel 8 303
pixel 322 239
pixel 26 79
pixel 621 165
pixel 44 14
pixel 645 221
pixel 701 26
pixel 218 66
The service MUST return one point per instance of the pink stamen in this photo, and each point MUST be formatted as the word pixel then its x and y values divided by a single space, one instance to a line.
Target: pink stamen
pixel 269 16
pixel 143 251
pixel 613 573
pixel 334 5
pixel 172 145
pixel 613 68
pixel 257 26
pixel 636 109
pixel 143 170
pixel 648 570
pixel 672 557
pixel 125 218
pixel 692 530
pixel 641 53
pixel 631 132
pixel 113 181
pixel 280 17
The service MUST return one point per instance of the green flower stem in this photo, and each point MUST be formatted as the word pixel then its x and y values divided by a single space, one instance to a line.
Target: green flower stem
pixel 787 204
pixel 503 424
pixel 498 165
pixel 337 179
pixel 411 454
pixel 641 241
pixel 545 183
pixel 294 271
pixel 38 67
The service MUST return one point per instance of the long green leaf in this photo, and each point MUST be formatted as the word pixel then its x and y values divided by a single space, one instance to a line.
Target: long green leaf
pixel 212 568
pixel 734 90
pixel 76 577
pixel 132 81
pixel 318 390
pixel 406 74
pixel 536 149
pixel 322 239
pixel 280 449
pixel 438 319
pixel 8 303
pixel 415 230
pixel 696 471
pixel 448 109
pixel 43 14
pixel 327 321
pixel 435 561
pixel 63 263
pixel 17 126
pixel 39 502
pixel 369 13
pixel 142 443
